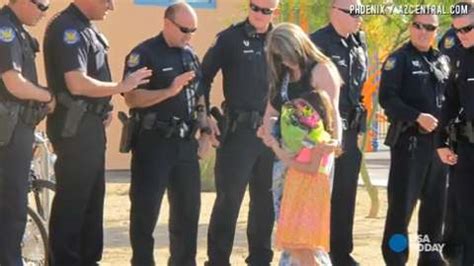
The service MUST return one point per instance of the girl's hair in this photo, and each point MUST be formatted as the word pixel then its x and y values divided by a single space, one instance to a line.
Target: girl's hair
pixel 288 42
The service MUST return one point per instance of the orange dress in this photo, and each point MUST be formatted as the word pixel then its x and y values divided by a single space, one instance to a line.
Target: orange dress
pixel 304 221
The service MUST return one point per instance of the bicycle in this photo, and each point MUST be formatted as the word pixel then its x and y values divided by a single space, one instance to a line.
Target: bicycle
pixel 41 189
pixel 42 175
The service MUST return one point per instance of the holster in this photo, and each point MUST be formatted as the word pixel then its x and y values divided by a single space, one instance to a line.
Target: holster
pixel 130 128
pixel 9 112
pixel 75 112
pixel 222 123
pixel 394 131
pixel 358 118
pixel 251 119
pixel 33 113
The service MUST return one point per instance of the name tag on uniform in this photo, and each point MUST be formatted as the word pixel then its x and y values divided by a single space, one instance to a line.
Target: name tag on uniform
pixel 249 51
pixel 415 63
pixel 167 69
pixel 419 72
pixel 342 62
pixel 470 79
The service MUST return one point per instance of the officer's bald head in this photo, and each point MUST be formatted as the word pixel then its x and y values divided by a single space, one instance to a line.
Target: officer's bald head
pixel 180 8
pixel 180 23
pixel 261 13
pixel 345 3
pixel 342 20
pixel 94 9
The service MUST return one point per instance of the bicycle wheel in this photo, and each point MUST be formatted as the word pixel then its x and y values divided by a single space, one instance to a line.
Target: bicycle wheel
pixel 43 194
pixel 34 246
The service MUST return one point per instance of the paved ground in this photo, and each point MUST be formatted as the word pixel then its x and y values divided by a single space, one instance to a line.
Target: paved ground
pixel 378 164
pixel 367 231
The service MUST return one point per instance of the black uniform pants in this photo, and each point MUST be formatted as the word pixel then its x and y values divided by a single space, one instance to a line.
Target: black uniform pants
pixel 243 159
pixel 76 225
pixel 464 187
pixel 346 174
pixel 15 159
pixel 160 164
pixel 416 172
pixel 453 228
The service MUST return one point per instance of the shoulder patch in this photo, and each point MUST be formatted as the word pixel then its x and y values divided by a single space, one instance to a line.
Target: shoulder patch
pixel 449 42
pixel 7 34
pixel 390 64
pixel 71 36
pixel 133 60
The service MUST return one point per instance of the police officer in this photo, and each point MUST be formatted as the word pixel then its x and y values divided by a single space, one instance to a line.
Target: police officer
pixel 411 92
pixel 19 89
pixel 459 105
pixel 164 151
pixel 242 158
pixel 450 46
pixel 77 70
pixel 345 44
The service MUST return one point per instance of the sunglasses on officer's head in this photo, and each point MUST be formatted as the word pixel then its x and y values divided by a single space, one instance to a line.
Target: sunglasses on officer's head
pixel 263 10
pixel 183 29
pixel 464 30
pixel 42 7
pixel 427 27
pixel 348 12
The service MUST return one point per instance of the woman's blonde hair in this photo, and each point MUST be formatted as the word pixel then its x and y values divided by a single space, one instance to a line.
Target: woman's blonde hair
pixel 288 42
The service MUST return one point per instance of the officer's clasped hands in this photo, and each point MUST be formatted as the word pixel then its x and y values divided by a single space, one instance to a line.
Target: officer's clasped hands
pixel 427 122
pixel 447 156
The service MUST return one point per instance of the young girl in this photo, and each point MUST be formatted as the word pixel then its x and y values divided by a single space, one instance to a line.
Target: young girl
pixel 304 91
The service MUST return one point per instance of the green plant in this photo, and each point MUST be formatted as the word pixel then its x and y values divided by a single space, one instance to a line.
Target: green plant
pixel 207 173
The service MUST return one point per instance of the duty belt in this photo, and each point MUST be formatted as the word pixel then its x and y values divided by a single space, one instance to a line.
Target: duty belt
pixel 175 128
pixel 252 118
pixel 99 109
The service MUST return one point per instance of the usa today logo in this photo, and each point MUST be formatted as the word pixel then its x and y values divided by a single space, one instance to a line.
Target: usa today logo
pixel 399 243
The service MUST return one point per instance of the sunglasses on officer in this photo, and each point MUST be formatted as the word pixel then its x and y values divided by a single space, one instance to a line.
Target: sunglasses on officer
pixel 183 29
pixel 427 27
pixel 263 10
pixel 42 7
pixel 348 12
pixel 463 30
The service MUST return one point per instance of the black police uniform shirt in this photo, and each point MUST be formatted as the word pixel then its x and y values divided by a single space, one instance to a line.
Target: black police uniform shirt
pixel 239 53
pixel 17 51
pixel 407 87
pixel 166 63
pixel 294 89
pixel 301 88
pixel 72 43
pixel 351 59
pixel 459 94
